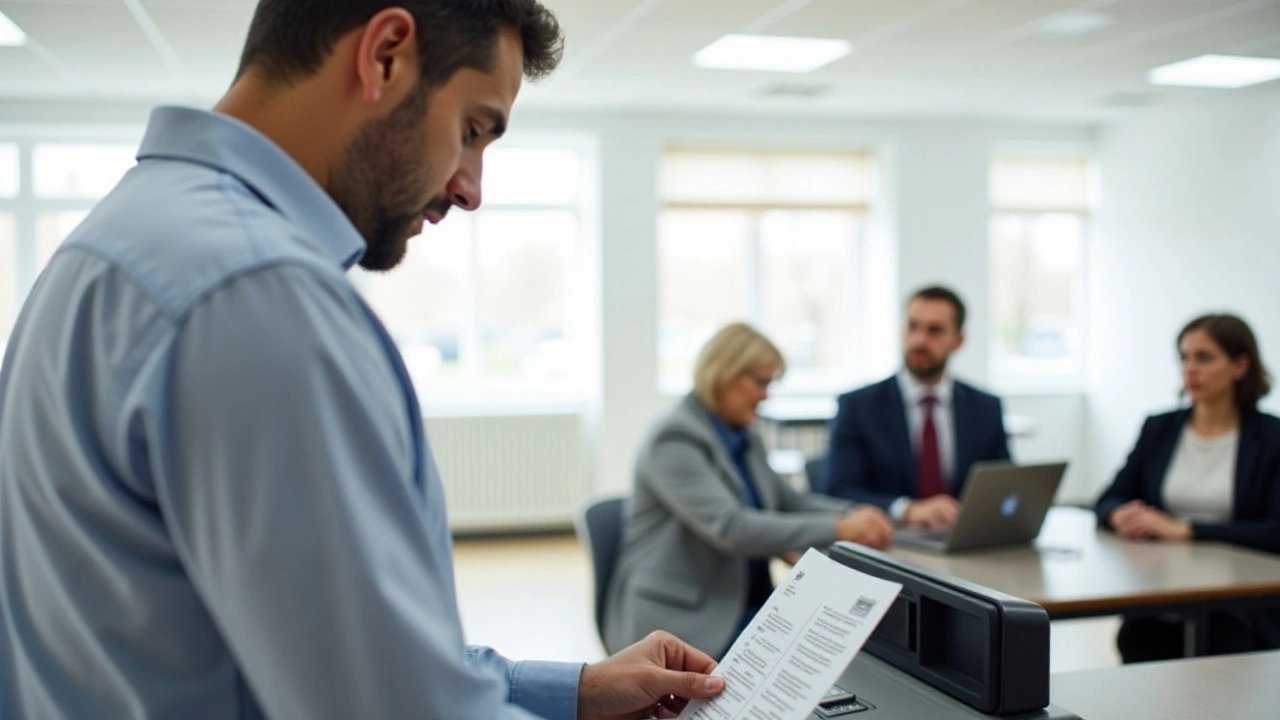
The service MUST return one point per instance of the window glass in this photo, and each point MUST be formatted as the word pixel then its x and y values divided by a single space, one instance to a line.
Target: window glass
pixel 531 176
pixel 1036 266
pixel 423 301
pixel 702 282
pixel 9 298
pixel 807 265
pixel 79 171
pixel 524 265
pixel 53 228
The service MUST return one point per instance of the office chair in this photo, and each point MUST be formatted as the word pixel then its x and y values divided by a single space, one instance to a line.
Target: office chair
pixel 599 526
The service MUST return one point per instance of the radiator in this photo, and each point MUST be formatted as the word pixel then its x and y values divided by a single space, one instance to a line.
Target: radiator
pixel 511 473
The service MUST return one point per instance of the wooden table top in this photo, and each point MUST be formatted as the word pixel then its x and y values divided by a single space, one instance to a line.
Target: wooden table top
pixel 1075 570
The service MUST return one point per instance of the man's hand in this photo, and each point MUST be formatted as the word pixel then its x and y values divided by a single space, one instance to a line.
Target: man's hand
pixel 935 513
pixel 866 524
pixel 1138 520
pixel 656 677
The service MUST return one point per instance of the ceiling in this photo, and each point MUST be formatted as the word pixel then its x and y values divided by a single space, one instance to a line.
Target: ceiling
pixel 971 58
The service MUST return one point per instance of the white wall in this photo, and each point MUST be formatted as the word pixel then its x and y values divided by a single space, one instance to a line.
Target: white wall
pixel 1189 222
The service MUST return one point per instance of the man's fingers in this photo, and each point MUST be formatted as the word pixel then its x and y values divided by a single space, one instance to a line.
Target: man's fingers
pixel 689 685
pixel 690 658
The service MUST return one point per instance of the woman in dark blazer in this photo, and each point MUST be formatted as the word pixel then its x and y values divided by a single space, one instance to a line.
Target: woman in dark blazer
pixel 1208 472
pixel 707 512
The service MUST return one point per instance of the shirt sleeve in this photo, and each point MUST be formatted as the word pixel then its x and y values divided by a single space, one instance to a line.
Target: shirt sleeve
pixel 546 689
pixel 284 460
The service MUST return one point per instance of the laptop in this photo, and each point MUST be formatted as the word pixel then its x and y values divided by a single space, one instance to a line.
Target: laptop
pixel 1002 504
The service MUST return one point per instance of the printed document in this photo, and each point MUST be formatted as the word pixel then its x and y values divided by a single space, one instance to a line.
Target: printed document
pixel 799 643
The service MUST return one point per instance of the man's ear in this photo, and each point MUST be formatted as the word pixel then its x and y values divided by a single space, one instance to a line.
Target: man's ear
pixel 387 57
pixel 959 340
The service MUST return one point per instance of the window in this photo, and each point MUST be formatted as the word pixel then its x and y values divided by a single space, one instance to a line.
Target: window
pixel 79 171
pixel 488 303
pixel 8 275
pixel 8 170
pixel 1038 226
pixel 46 190
pixel 772 238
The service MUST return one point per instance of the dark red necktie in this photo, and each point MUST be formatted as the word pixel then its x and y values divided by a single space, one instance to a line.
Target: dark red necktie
pixel 930 480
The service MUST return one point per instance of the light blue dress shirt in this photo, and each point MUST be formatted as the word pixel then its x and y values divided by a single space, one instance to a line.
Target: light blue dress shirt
pixel 216 497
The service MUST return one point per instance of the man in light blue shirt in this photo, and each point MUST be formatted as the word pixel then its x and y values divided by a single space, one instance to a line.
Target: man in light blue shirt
pixel 216 498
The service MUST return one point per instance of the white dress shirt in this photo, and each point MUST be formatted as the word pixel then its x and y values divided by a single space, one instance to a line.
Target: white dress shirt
pixel 913 394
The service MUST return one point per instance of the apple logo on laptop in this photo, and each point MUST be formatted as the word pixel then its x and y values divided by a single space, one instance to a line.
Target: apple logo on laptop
pixel 1009 506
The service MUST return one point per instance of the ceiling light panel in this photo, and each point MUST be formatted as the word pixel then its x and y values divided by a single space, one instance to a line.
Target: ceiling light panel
pixel 1217 71
pixel 772 53
pixel 10 34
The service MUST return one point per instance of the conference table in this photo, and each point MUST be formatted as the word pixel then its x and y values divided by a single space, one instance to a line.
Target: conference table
pixel 1226 686
pixel 1074 570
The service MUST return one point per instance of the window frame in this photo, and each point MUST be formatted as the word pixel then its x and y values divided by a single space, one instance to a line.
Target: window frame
pixel 866 214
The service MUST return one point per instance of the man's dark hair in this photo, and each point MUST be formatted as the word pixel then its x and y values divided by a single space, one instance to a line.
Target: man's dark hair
pixel 1236 339
pixel 289 39
pixel 946 294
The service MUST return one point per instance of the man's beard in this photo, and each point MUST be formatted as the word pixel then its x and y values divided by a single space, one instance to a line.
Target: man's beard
pixel 379 180
pixel 929 373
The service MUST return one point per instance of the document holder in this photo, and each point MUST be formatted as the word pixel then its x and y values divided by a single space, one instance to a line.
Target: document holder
pixel 984 648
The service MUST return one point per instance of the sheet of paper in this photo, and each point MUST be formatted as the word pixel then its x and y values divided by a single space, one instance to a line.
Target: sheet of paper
pixel 799 643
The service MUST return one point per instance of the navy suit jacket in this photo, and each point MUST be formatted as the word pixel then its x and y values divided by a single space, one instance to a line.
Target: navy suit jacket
pixel 1255 503
pixel 1255 513
pixel 871 460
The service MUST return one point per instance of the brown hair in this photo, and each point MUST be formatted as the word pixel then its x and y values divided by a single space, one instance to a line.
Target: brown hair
pixel 289 39
pixel 946 294
pixel 1233 335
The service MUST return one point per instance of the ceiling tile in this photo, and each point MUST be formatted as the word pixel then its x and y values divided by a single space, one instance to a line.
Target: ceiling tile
pixel 99 34
pixel 727 15
pixel 25 74
pixel 848 19
pixel 979 22
pixel 207 40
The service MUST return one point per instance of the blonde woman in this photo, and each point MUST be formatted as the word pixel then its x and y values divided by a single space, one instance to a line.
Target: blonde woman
pixel 708 513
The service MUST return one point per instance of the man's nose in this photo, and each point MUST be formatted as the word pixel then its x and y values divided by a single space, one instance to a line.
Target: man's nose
pixel 464 187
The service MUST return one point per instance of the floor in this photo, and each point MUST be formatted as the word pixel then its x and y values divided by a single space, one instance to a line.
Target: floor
pixel 530 597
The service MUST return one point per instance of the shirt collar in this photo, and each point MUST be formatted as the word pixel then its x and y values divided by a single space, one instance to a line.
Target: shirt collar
pixel 913 391
pixel 736 440
pixel 231 146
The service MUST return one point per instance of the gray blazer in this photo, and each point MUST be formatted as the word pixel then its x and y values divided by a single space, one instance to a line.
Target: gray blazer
pixel 691 530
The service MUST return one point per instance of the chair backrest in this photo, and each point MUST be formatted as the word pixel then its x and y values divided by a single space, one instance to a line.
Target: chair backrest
pixel 599 526
pixel 813 470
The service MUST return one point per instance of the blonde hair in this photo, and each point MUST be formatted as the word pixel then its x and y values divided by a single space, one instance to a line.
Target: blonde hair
pixel 732 351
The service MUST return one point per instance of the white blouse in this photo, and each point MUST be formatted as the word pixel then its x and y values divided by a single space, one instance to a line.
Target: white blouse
pixel 1200 482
